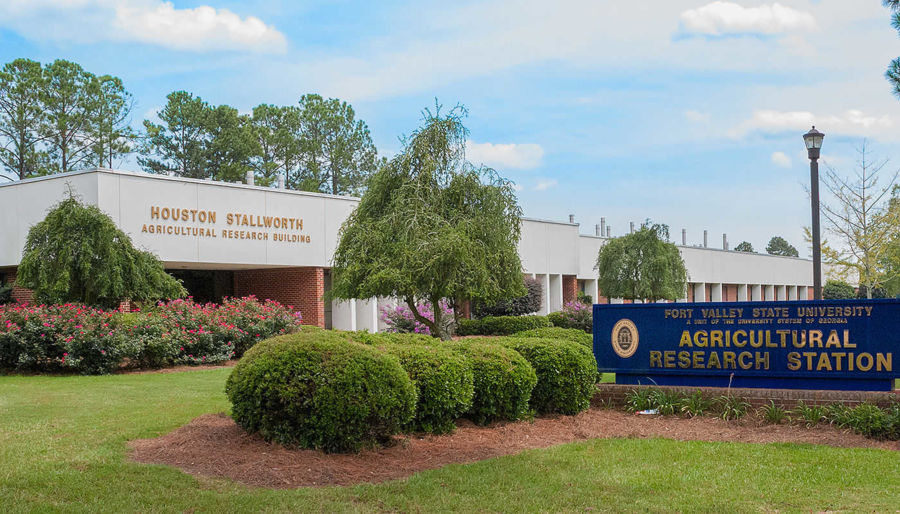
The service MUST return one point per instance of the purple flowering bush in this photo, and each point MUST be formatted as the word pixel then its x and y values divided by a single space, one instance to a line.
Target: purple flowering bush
pixel 574 315
pixel 400 319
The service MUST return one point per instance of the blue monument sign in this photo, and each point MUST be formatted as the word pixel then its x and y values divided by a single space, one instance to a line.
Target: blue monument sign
pixel 831 344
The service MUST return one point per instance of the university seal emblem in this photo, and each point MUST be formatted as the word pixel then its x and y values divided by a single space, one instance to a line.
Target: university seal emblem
pixel 624 338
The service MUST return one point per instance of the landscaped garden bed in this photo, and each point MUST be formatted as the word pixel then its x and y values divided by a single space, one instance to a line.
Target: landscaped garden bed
pixel 213 445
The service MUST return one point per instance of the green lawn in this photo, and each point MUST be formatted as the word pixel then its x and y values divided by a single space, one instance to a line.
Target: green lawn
pixel 63 445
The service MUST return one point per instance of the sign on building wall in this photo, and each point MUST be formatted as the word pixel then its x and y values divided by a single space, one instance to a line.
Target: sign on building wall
pixel 841 345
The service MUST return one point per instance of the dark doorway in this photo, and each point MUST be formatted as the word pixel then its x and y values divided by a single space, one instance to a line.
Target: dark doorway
pixel 206 285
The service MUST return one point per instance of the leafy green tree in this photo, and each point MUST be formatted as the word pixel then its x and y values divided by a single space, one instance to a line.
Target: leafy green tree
pixel 276 133
pixel 744 246
pixel 779 246
pixel 21 119
pixel 77 254
pixel 178 145
pixel 337 153
pixel 110 132
pixel 431 227
pixel 838 290
pixel 642 265
pixel 68 98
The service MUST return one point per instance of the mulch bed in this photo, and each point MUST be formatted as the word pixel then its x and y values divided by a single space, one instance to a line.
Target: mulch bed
pixel 213 445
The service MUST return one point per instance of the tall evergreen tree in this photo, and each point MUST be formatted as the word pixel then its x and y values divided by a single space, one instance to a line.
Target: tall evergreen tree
pixel 337 153
pixel 276 133
pixel 21 119
pixel 229 143
pixel 68 98
pixel 178 145
pixel 110 133
pixel 779 246
pixel 893 72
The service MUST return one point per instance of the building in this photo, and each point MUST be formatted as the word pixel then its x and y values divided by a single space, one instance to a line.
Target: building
pixel 227 239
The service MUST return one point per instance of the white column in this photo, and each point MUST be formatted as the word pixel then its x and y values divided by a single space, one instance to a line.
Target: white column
pixel 343 315
pixel 545 304
pixel 591 288
pixel 700 292
pixel 556 292
pixel 792 292
pixel 367 315
pixel 756 292
pixel 715 293
pixel 803 292
pixel 781 293
pixel 770 293
pixel 742 293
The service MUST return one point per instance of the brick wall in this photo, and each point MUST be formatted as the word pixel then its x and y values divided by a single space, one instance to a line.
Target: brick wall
pixel 301 288
pixel 614 394
pixel 19 294
pixel 570 288
pixel 730 292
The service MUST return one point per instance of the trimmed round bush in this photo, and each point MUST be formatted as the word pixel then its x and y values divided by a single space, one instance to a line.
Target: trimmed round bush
pixel 317 390
pixel 503 382
pixel 444 382
pixel 566 334
pixel 500 325
pixel 383 338
pixel 566 373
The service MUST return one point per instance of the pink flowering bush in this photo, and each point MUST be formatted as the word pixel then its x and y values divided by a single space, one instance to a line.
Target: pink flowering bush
pixel 86 340
pixel 400 319
pixel 574 315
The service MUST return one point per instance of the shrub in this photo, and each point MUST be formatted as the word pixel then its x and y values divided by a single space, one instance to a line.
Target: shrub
pixel 810 414
pixel 503 381
pixel 565 334
pixel 696 404
pixel 584 298
pixel 665 401
pixel 66 337
pixel 638 399
pixel 772 413
pixel 868 420
pixel 500 325
pixel 81 339
pixel 732 407
pixel 400 319
pixel 574 315
pixel 444 382
pixel 520 306
pixel 317 390
pixel 838 290
pixel 384 338
pixel 566 373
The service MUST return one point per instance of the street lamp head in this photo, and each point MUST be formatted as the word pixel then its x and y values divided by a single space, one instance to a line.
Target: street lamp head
pixel 813 140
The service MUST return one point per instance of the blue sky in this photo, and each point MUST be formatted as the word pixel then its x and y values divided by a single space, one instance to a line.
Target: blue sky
pixel 687 112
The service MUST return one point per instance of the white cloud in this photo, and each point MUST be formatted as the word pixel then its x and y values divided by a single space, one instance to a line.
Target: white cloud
pixel 724 18
pixel 545 184
pixel 156 22
pixel 521 156
pixel 697 116
pixel 852 122
pixel 781 159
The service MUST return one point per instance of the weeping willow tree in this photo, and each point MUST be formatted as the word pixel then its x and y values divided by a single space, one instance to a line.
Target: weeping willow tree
pixel 77 254
pixel 642 266
pixel 431 227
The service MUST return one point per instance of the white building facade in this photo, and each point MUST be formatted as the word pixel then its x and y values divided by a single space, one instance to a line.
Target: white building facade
pixel 228 239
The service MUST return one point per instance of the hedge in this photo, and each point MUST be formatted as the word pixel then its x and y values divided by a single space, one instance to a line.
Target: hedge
pixel 566 373
pixel 317 390
pixel 80 339
pixel 500 325
pixel 503 381
pixel 565 334
pixel 444 383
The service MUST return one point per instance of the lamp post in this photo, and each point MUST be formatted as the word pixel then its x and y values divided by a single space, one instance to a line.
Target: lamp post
pixel 813 140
